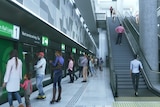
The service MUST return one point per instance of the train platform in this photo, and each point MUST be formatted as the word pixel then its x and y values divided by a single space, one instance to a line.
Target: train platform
pixel 95 92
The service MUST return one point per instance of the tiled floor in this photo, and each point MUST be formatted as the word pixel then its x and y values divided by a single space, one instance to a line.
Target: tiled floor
pixel 94 93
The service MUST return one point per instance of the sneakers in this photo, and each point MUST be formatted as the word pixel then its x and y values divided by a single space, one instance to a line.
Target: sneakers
pixel 84 81
pixel 41 97
pixel 21 105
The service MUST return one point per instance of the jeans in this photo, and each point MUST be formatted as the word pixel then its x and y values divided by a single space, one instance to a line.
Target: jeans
pixel 135 80
pixel 80 71
pixel 57 76
pixel 39 84
pixel 10 99
pixel 92 70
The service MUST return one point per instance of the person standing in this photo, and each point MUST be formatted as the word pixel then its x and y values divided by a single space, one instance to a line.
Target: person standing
pixel 80 65
pixel 100 64
pixel 85 68
pixel 120 30
pixel 12 78
pixel 27 86
pixel 57 76
pixel 91 65
pixel 40 73
pixel 135 66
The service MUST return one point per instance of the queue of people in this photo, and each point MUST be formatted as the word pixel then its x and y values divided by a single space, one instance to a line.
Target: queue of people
pixel 12 82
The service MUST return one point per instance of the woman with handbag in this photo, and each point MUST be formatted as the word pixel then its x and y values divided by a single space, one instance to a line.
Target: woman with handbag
pixel 57 76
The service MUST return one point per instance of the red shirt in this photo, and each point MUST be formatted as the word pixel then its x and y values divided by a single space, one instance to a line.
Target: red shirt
pixel 25 85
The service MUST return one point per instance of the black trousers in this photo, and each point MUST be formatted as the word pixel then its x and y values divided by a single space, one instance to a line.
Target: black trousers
pixel 71 75
pixel 135 81
pixel 119 38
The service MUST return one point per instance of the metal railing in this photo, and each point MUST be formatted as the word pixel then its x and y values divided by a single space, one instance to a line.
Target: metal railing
pixel 133 38
pixel 113 76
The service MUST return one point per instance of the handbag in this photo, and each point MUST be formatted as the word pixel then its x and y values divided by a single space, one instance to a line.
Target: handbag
pixel 57 67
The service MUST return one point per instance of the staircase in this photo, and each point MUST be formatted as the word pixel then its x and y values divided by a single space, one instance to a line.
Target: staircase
pixel 122 55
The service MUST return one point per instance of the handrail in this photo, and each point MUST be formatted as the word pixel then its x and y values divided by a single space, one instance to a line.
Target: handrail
pixel 137 40
pixel 136 49
pixel 113 76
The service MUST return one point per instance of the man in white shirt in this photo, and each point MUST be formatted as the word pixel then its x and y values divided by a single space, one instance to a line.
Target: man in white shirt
pixel 135 66
pixel 40 73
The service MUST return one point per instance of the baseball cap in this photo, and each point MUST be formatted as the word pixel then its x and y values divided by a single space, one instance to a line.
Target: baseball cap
pixel 41 54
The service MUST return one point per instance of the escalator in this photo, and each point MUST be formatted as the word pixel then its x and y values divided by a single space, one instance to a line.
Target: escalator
pixel 121 57
pixel 131 24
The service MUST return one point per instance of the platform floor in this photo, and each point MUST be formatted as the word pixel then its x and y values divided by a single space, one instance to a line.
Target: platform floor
pixel 94 93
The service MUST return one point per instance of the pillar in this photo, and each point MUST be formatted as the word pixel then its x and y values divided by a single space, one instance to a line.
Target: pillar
pixel 120 6
pixel 148 31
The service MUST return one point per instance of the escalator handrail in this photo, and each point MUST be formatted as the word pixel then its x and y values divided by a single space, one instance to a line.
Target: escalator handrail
pixel 149 85
pixel 113 75
pixel 138 42
pixel 141 50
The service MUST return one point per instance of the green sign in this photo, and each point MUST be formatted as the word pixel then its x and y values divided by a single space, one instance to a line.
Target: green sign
pixel 73 50
pixel 9 30
pixel 44 41
pixel 62 47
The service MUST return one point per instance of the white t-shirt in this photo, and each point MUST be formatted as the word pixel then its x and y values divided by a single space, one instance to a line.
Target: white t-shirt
pixel 40 66
pixel 134 66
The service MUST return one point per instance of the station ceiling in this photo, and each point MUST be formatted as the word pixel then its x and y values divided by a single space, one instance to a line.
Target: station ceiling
pixel 85 7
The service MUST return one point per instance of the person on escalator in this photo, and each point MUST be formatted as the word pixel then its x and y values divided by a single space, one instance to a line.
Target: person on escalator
pixel 111 10
pixel 135 68
pixel 120 30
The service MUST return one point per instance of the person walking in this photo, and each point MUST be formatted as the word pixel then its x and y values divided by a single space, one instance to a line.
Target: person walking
pixel 120 30
pixel 40 73
pixel 12 78
pixel 27 86
pixel 57 76
pixel 135 66
pixel 70 70
pixel 111 10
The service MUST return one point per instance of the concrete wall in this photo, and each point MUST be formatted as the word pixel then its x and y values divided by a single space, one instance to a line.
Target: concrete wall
pixel 62 15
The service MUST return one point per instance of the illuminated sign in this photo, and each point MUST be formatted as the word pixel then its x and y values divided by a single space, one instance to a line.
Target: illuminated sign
pixel 63 47
pixel 44 41
pixel 9 30
pixel 73 50
pixel 80 52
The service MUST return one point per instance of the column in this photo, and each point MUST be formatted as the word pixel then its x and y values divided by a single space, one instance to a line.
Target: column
pixel 148 31
pixel 103 51
pixel 120 6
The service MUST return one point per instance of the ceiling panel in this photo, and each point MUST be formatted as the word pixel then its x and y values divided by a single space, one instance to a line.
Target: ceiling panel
pixel 87 13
